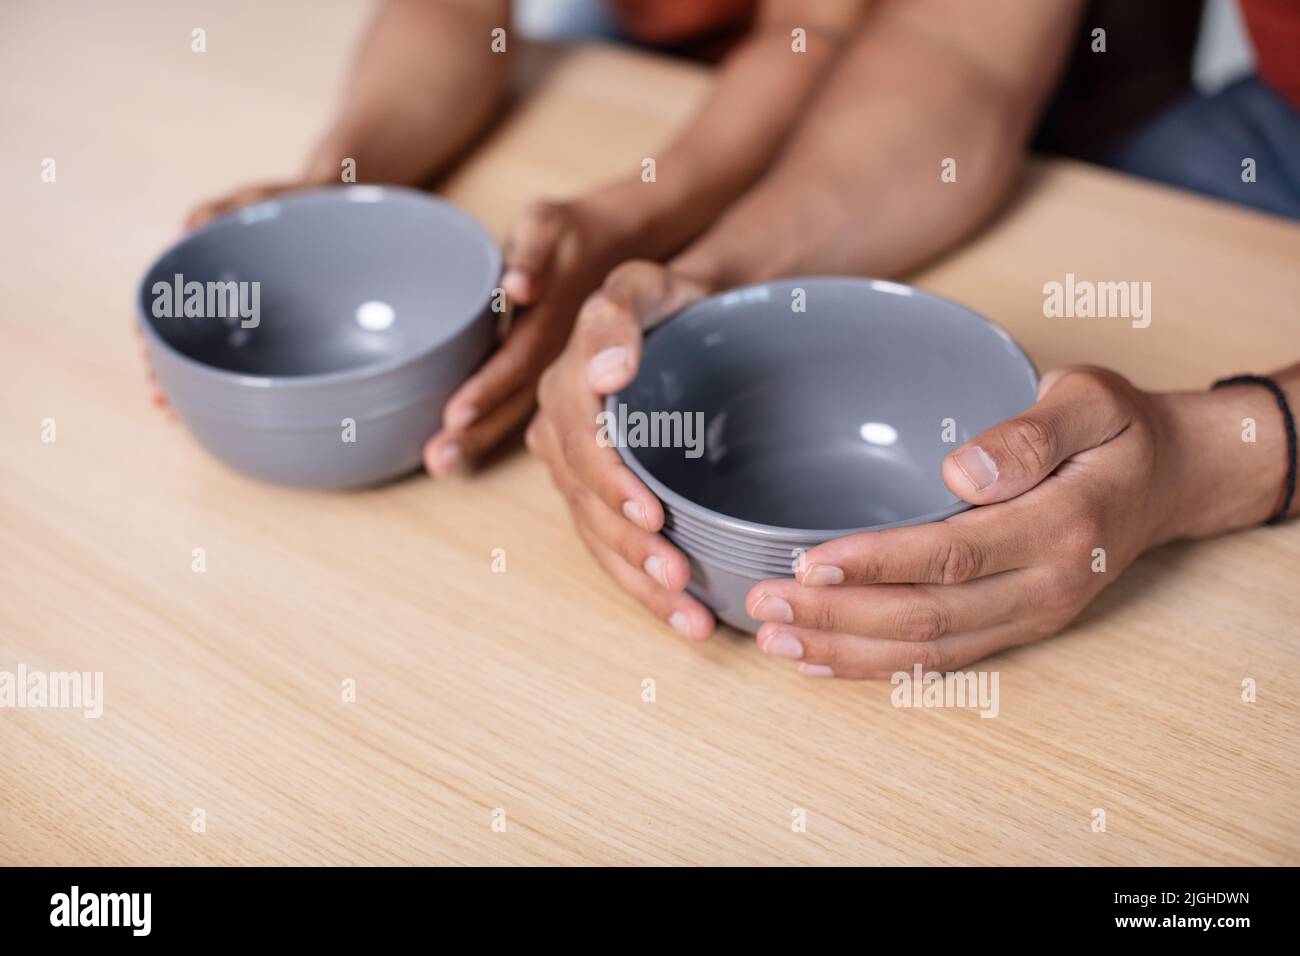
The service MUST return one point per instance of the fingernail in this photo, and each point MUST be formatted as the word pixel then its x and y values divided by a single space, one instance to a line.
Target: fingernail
pixel 821 575
pixel 782 644
pixel 657 568
pixel 680 623
pixel 977 466
pixel 608 369
pixel 447 459
pixel 516 278
pixel 461 416
pixel 769 607
pixel 815 670
pixel 634 511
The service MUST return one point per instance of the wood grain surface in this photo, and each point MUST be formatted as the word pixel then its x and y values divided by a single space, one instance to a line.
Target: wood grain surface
pixel 522 692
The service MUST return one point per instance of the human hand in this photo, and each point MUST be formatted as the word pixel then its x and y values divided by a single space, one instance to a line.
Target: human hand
pixel 617 517
pixel 1074 489
pixel 205 212
pixel 557 254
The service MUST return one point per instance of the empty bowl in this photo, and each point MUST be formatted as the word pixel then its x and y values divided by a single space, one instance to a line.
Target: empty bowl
pixel 313 340
pixel 774 417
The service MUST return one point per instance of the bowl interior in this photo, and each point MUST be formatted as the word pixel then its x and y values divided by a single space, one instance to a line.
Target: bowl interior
pixel 834 417
pixel 319 282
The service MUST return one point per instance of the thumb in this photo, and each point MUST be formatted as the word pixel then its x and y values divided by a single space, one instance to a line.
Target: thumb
pixel 1078 409
pixel 637 295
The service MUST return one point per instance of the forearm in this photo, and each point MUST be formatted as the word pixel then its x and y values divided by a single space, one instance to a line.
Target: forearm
pixel 424 83
pixel 758 95
pixel 860 188
pixel 1227 456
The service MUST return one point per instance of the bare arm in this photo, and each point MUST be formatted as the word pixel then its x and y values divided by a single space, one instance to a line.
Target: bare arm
pixel 559 252
pixel 859 189
pixel 759 94
pixel 1226 483
pixel 424 83
pixel 1096 466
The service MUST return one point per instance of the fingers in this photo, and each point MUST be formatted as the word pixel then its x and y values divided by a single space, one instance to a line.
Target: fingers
pixel 616 514
pixel 965 547
pixel 237 200
pixel 685 615
pixel 157 397
pixel 652 553
pixel 572 454
pixel 449 450
pixel 202 215
pixel 635 296
pixel 828 654
pixel 517 364
pixel 530 252
pixel 532 343
pixel 1078 409
pixel 907 613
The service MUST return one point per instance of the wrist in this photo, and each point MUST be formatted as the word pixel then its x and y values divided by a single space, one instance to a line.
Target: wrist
pixel 322 169
pixel 1227 462
pixel 703 265
pixel 324 166
pixel 664 215
pixel 403 144
pixel 630 216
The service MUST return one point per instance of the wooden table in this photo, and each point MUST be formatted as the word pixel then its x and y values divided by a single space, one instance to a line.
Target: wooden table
pixel 522 692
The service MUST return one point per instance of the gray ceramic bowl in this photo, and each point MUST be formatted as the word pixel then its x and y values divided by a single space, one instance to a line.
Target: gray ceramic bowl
pixel 817 423
pixel 766 548
pixel 734 554
pixel 373 304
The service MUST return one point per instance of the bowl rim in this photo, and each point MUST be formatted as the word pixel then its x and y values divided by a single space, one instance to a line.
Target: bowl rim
pixel 759 530
pixel 373 193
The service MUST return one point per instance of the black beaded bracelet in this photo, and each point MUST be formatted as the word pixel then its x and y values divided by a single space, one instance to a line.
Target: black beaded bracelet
pixel 1288 422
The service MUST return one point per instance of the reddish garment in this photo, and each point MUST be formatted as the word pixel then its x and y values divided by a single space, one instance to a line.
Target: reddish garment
pixel 701 28
pixel 1275 31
